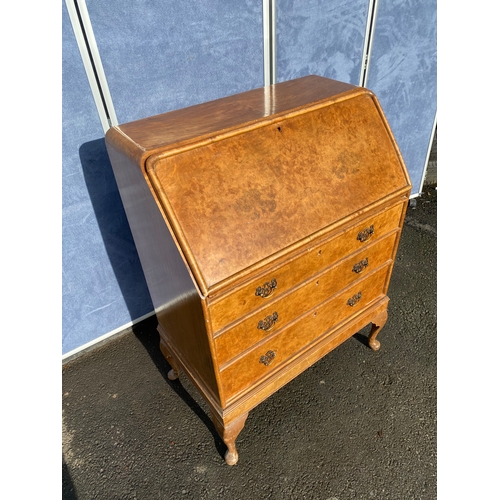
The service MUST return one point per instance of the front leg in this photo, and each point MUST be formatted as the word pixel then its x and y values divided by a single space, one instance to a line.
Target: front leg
pixel 229 432
pixel 377 324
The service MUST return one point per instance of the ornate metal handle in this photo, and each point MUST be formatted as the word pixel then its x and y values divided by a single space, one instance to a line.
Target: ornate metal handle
pixel 366 234
pixel 360 266
pixel 354 299
pixel 267 359
pixel 268 322
pixel 267 289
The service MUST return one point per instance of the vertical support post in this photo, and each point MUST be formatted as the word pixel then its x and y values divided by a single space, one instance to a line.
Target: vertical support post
pixel 367 48
pixel 80 21
pixel 433 133
pixel 269 32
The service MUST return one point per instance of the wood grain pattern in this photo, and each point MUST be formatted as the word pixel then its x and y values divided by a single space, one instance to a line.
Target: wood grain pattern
pixel 298 189
pixel 210 118
pixel 246 370
pixel 332 339
pixel 320 287
pixel 313 258
pixel 275 174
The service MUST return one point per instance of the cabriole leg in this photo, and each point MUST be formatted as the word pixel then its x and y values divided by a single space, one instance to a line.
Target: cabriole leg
pixel 229 433
pixel 377 324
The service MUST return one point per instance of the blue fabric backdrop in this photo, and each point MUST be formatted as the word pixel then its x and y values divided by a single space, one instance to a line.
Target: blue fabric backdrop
pixel 164 55
pixel 103 284
pixel 403 74
pixel 320 37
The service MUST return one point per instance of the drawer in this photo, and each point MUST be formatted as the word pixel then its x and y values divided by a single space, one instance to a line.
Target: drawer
pixel 253 328
pixel 254 365
pixel 255 293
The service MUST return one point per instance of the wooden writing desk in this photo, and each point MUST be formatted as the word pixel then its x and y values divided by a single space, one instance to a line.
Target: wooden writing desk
pixel 267 225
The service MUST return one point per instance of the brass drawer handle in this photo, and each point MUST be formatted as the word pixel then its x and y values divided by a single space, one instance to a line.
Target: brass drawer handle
pixel 366 234
pixel 267 359
pixel 354 299
pixel 268 322
pixel 267 289
pixel 360 266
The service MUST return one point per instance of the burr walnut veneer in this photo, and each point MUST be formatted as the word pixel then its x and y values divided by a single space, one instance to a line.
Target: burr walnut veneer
pixel 267 225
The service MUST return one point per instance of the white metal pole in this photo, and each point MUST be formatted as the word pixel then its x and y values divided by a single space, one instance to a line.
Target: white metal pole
pixel 87 45
pixel 367 48
pixel 269 37
pixel 434 127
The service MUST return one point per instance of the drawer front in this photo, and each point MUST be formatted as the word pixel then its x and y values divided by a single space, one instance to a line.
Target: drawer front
pixel 261 361
pixel 286 308
pixel 253 295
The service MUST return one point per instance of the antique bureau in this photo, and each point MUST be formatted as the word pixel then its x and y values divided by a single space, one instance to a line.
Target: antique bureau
pixel 267 225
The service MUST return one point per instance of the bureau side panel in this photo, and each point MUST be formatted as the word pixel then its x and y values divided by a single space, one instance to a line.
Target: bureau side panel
pixel 175 298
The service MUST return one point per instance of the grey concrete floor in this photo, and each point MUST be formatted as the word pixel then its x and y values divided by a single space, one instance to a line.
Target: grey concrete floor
pixel 358 424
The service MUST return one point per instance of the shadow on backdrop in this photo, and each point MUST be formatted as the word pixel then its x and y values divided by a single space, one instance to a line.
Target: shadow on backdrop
pixel 124 259
pixel 114 227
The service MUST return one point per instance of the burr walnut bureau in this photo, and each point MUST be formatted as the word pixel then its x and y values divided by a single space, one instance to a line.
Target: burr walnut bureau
pixel 267 225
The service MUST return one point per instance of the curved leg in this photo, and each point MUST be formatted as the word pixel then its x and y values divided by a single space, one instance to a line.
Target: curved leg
pixel 229 433
pixel 173 374
pixel 377 324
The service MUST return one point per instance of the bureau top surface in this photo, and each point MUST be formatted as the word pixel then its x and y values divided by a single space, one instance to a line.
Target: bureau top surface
pixel 249 176
pixel 213 117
